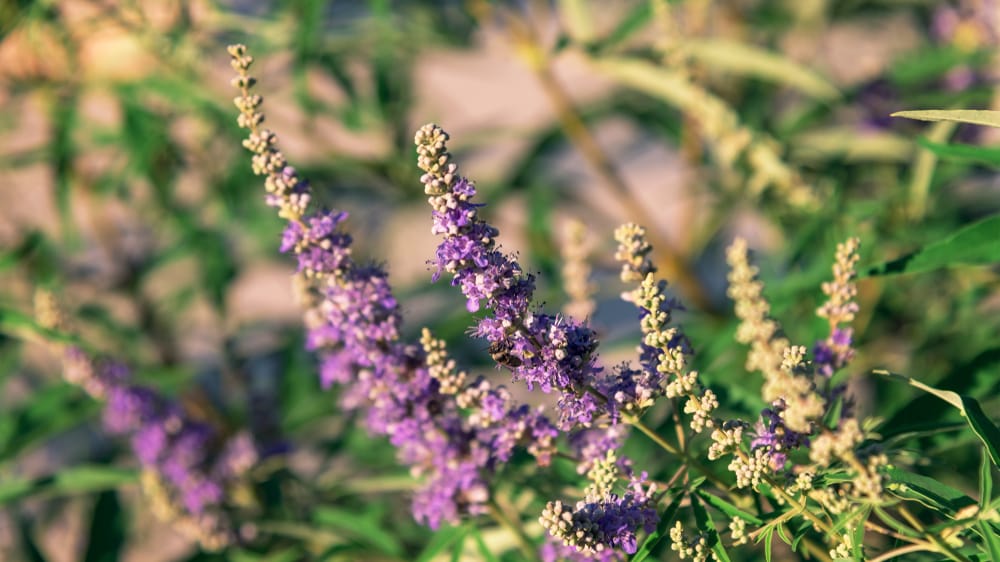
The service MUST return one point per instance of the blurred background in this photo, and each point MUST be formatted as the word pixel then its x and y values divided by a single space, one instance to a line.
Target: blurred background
pixel 123 182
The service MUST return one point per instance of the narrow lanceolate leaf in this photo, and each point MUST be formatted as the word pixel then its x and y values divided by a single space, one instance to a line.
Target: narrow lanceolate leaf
pixel 927 491
pixel 981 424
pixel 728 508
pixel 972 116
pixel 707 525
pixel 991 538
pixel 963 152
pixel 750 60
pixel 975 244
pixel 73 480
pixel 985 483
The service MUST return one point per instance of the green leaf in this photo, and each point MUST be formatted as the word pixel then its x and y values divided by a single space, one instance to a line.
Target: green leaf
pixel 750 60
pixel 981 424
pixel 14 488
pixel 985 482
pixel 90 478
pixel 913 69
pixel 441 541
pixel 728 508
pixel 707 525
pixel 967 152
pixel 858 540
pixel 782 534
pixel 991 539
pixel 972 116
pixel 927 491
pixel 364 528
pixel 458 550
pixel 662 530
pixel 68 481
pixel 975 244
pixel 768 538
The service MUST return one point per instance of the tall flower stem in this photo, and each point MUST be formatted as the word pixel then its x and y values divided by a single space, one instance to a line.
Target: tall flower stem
pixel 573 125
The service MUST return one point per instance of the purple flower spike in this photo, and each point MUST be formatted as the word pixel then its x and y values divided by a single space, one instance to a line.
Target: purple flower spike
pixel 186 464
pixel 451 435
pixel 550 352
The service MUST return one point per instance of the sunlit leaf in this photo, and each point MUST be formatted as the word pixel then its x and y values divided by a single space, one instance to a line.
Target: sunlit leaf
pixel 971 116
pixel 981 424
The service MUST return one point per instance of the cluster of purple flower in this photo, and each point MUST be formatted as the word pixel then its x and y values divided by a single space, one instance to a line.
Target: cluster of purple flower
pixel 187 465
pixel 603 520
pixel 551 352
pixel 452 436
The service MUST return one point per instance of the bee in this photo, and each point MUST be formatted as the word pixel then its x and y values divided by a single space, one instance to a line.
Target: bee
pixel 500 352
